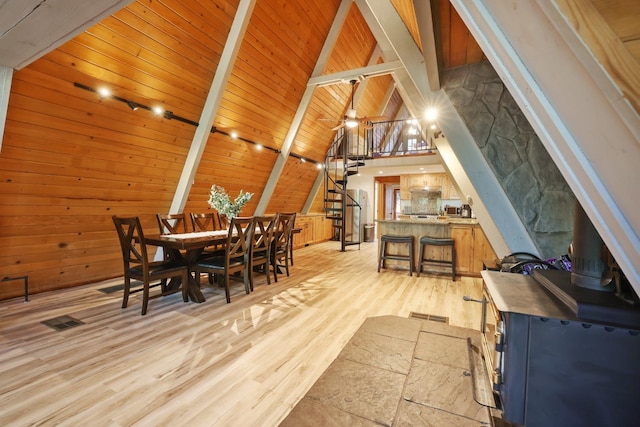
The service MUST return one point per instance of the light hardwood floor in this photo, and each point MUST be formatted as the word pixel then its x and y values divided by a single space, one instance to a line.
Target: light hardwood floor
pixel 246 363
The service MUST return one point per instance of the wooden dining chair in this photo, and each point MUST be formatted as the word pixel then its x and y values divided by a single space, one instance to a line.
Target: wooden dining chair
pixel 236 256
pixel 138 266
pixel 172 223
pixel 207 221
pixel 223 221
pixel 282 240
pixel 293 226
pixel 263 227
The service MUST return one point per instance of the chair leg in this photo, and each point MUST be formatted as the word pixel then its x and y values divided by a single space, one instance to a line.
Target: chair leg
pixel 420 257
pixel 381 254
pixel 226 286
pixel 274 264
pixel 453 263
pixel 411 260
pixel 247 277
pixel 127 288
pixel 145 297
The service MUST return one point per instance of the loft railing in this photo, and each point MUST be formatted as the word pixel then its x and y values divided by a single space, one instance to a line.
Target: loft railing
pixel 401 137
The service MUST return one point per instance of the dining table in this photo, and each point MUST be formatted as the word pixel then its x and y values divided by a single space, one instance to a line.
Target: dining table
pixel 187 248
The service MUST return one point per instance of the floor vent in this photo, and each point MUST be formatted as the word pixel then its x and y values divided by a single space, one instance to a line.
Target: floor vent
pixel 431 317
pixel 114 288
pixel 62 323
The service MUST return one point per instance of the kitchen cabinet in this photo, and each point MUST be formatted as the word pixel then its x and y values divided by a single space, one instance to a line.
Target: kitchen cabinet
pixel 482 249
pixel 472 246
pixel 463 237
pixel 405 194
pixel 442 180
pixel 313 229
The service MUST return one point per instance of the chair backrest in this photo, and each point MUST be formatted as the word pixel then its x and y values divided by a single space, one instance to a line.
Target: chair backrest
pixel 132 243
pixel 172 223
pixel 208 221
pixel 223 221
pixel 293 221
pixel 283 231
pixel 239 238
pixel 263 227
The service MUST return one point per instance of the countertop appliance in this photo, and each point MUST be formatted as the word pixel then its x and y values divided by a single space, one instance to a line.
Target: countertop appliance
pixel 465 211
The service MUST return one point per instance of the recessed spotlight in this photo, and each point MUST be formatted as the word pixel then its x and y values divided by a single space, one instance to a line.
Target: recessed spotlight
pixel 104 92
pixel 233 134
pixel 258 146
pixel 158 110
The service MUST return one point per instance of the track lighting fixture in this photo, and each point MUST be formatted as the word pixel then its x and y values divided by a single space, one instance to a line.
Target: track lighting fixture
pixel 169 115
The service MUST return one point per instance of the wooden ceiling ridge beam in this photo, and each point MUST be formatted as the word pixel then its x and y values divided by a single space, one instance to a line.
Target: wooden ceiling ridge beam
pixel 303 105
pixel 212 103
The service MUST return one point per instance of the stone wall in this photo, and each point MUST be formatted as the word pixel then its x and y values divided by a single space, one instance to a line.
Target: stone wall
pixel 526 172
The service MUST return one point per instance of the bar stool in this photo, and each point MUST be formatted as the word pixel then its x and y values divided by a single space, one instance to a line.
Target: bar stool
pixel 387 238
pixel 426 241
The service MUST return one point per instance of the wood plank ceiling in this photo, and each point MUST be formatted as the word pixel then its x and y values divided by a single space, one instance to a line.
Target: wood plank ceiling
pixel 71 159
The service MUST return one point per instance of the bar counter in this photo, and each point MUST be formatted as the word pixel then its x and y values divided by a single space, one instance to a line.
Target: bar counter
pixel 470 242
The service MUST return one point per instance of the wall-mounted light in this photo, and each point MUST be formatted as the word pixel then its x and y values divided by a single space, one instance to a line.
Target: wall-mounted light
pixel 431 114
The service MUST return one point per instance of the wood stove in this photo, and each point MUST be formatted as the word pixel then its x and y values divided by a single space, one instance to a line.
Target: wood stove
pixel 551 366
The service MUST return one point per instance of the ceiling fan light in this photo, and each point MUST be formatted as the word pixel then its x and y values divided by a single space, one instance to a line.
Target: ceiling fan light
pixel 350 123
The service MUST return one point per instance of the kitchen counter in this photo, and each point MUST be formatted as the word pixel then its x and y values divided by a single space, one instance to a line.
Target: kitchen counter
pixel 440 220
pixel 471 244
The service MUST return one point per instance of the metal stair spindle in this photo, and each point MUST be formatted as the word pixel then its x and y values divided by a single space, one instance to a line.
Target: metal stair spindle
pixel 337 201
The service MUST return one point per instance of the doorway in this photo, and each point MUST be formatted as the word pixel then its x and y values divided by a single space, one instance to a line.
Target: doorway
pixel 387 194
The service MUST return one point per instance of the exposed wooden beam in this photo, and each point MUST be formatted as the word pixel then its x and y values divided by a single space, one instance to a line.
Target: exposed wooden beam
pixel 278 167
pixel 424 19
pixel 355 74
pixel 398 36
pixel 203 131
pixel 6 75
pixel 589 129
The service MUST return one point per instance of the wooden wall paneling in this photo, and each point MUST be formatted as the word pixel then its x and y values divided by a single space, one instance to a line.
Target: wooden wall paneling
pixel 80 159
pixel 408 15
pixel 354 45
pixel 606 45
pixel 459 38
pixel 294 185
pixel 235 165
pixel 442 27
pixel 372 98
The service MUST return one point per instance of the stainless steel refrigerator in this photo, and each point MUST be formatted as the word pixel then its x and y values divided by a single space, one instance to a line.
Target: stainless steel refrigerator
pixel 356 216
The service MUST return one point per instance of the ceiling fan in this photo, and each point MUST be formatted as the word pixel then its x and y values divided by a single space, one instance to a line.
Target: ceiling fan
pixel 351 120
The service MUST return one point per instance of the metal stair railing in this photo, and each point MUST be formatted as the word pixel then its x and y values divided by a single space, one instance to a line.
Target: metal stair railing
pixel 337 200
